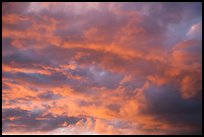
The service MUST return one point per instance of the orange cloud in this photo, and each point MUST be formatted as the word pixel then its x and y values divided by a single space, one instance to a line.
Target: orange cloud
pixel 190 87
pixel 116 68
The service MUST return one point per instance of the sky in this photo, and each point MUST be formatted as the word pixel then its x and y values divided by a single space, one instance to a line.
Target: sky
pixel 101 68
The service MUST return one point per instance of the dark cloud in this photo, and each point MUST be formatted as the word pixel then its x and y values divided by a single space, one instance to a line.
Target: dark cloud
pixel 88 103
pixel 51 56
pixel 33 121
pixel 49 96
pixel 166 105
pixel 114 107
pixel 39 80
pixel 97 77
pixel 15 7
pixel 5 86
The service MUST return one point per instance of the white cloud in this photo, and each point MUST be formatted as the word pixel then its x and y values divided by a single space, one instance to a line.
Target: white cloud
pixel 195 31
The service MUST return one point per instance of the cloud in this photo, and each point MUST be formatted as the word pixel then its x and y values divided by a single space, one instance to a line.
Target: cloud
pixel 49 96
pixel 101 68
pixel 173 110
pixel 16 118
pixel 15 7
pixel 195 31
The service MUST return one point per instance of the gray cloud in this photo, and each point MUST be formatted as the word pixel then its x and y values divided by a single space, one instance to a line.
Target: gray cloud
pixel 29 120
pixel 166 105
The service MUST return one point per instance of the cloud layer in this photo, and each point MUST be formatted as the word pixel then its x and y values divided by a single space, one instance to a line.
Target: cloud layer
pixel 101 68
